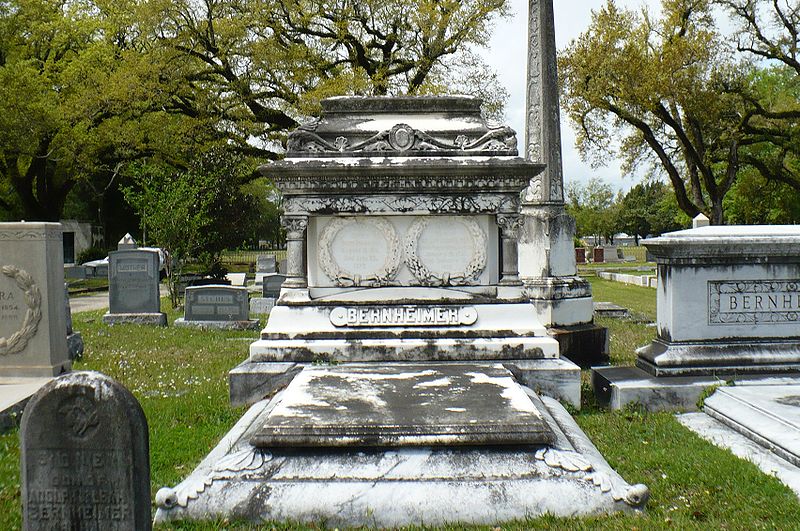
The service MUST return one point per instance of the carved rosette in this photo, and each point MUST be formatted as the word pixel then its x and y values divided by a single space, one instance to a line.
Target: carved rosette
pixel 383 277
pixel 426 277
pixel 33 299
pixel 509 225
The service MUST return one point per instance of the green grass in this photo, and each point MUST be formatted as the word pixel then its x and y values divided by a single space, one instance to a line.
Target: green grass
pixel 78 286
pixel 180 377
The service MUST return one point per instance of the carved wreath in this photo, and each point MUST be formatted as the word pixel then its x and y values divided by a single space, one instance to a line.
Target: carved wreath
pixel 33 298
pixel 382 277
pixel 427 277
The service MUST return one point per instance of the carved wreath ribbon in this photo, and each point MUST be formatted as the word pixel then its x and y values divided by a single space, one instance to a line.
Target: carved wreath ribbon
pixel 33 298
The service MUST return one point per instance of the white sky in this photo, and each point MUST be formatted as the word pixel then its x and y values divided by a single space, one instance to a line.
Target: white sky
pixel 506 52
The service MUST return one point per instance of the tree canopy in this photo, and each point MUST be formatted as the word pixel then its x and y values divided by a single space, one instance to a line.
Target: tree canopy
pixel 671 94
pixel 89 86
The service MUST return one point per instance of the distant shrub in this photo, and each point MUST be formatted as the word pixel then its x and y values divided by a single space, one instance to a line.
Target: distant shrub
pixel 91 253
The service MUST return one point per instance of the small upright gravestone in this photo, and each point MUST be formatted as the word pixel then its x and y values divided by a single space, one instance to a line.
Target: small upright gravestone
pixel 216 306
pixel 85 458
pixel 133 295
pixel 265 263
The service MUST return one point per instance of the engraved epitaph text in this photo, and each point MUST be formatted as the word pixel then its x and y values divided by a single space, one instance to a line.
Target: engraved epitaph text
pixel 85 461
pixel 754 302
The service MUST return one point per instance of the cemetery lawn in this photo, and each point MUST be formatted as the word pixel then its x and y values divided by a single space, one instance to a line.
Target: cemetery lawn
pixel 180 378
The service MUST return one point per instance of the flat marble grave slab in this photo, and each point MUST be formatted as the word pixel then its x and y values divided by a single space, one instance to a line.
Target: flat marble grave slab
pixel 768 415
pixel 414 404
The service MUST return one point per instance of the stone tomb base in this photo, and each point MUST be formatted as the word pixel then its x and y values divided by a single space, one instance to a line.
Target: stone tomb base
pixel 152 319
pixel 616 387
pixel 403 444
pixel 250 324
pixel 758 423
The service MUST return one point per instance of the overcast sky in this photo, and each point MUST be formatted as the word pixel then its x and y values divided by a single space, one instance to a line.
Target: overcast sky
pixel 506 53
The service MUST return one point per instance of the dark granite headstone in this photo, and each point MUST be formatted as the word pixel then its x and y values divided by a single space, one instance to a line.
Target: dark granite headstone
pixel 216 303
pixel 85 460
pixel 272 285
pixel 133 282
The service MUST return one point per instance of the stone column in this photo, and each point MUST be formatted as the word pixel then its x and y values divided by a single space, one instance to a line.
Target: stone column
pixel 509 232
pixel 543 123
pixel 295 251
pixel 547 265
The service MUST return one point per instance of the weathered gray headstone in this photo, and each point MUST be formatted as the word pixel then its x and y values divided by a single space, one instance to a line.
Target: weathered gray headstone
pixel 85 458
pixel 261 305
pixel 272 285
pixel 32 320
pixel 133 295
pixel 265 263
pixel 217 306
pixel 74 339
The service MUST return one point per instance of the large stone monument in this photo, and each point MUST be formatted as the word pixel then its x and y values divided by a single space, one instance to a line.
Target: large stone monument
pixel 33 324
pixel 133 295
pixel 85 457
pixel 402 223
pixel 547 267
pixel 411 349
pixel 728 304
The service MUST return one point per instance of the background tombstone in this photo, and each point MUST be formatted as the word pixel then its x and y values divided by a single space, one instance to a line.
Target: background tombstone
pixel 32 320
pixel 271 285
pixel 133 295
pixel 74 339
pixel 214 306
pixel 85 457
pixel 265 263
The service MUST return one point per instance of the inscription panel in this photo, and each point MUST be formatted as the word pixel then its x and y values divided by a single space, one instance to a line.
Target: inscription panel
pixel 754 302
pixel 403 316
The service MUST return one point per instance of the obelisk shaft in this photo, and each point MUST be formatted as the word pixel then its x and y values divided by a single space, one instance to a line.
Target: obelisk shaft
pixel 543 124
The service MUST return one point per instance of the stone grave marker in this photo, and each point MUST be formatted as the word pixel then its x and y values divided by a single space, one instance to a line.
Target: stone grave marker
pixel 74 339
pixel 272 285
pixel 133 294
pixel 127 242
pixel 265 263
pixel 236 279
pixel 217 306
pixel 261 305
pixel 32 320
pixel 85 458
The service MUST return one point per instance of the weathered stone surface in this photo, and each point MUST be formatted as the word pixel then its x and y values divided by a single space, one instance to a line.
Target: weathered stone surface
pixel 768 414
pixel 33 339
pixel 265 263
pixel 401 486
pixel 728 301
pixel 133 288
pixel 251 382
pixel 261 305
pixel 216 303
pixel 741 446
pixel 85 457
pixel 403 404
pixel 271 285
pixel 609 309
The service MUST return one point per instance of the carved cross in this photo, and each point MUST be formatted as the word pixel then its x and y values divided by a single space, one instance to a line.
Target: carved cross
pixel 543 124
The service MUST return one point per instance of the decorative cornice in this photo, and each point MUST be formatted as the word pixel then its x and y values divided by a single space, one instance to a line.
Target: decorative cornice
pixel 402 204
pixel 401 140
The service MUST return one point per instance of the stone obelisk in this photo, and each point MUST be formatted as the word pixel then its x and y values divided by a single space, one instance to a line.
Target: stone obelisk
pixel 546 250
